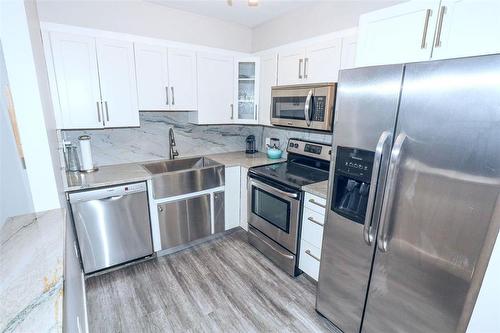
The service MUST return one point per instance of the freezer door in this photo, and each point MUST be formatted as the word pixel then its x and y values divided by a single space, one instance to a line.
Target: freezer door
pixel 365 117
pixel 441 208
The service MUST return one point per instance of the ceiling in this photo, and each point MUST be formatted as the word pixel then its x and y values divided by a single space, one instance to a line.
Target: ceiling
pixel 239 12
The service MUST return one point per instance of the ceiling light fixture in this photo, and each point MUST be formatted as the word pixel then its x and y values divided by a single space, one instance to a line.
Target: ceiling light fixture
pixel 253 3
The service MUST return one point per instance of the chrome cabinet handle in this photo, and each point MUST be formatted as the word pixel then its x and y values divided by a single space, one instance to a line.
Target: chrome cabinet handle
pixel 382 239
pixel 166 94
pixel 312 255
pixel 423 44
pixel 173 95
pixel 306 60
pixel 232 111
pixel 310 218
pixel 98 112
pixel 442 11
pixel 255 114
pixel 160 208
pixel 300 68
pixel 316 203
pixel 382 146
pixel 307 107
pixel 107 113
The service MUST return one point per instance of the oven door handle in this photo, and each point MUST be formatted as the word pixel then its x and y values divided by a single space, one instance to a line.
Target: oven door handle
pixel 270 188
pixel 307 108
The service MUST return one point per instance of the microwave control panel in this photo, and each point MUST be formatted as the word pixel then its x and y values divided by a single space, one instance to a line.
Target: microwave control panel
pixel 319 103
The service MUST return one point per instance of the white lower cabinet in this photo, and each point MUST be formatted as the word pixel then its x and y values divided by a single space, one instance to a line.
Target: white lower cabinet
pixel 232 197
pixel 244 199
pixel 313 220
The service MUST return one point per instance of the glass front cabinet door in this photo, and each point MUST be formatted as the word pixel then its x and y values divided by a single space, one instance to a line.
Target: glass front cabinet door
pixel 247 90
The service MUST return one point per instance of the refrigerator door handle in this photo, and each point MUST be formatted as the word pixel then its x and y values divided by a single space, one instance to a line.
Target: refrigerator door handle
pixel 389 192
pixel 382 147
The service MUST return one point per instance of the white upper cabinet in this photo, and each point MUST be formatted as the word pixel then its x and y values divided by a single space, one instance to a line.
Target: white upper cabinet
pixel 118 86
pixel 401 33
pixel 166 79
pixel 77 80
pixel 467 28
pixel 182 79
pixel 322 61
pixel 152 77
pixel 291 66
pixel 315 63
pixel 348 57
pixel 95 82
pixel 268 79
pixel 247 90
pixel 215 79
pixel 425 30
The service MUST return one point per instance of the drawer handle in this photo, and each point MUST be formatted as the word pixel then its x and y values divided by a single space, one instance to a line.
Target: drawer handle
pixel 317 203
pixel 310 218
pixel 312 255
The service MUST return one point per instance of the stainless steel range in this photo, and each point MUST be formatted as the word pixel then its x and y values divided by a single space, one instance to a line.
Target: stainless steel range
pixel 275 200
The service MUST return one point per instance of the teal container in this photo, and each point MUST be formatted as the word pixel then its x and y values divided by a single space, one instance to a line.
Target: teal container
pixel 274 153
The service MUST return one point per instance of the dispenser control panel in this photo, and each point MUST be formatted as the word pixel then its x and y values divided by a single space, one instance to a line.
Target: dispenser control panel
pixel 356 163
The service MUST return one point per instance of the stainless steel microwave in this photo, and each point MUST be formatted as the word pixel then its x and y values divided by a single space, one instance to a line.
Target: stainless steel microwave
pixel 305 106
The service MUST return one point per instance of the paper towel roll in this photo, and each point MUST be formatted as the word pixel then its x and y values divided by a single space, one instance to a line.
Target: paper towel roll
pixel 87 163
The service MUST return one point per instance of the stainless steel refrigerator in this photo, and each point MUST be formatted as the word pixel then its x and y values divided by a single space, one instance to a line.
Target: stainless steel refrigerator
pixel 414 195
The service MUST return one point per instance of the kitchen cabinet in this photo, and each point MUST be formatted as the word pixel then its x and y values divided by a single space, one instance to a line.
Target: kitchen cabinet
pixel 467 28
pixel 247 90
pixel 95 81
pixel 315 63
pixel 268 79
pixel 232 189
pixel 215 79
pixel 313 221
pixel 425 30
pixel 348 55
pixel 117 81
pixel 401 33
pixel 166 78
pixel 244 199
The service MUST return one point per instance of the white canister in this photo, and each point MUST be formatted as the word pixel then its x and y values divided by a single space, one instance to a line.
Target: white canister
pixel 87 164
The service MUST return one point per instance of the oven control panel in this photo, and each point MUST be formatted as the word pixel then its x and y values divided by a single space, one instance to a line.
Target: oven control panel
pixel 312 149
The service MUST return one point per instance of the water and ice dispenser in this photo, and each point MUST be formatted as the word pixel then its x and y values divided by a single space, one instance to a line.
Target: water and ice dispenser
pixel 353 171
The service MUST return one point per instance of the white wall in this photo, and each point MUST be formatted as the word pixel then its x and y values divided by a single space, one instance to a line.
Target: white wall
pixel 27 75
pixel 15 196
pixel 319 18
pixel 147 19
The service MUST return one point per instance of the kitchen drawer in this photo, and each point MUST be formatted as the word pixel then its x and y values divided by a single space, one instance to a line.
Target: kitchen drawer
pixel 312 232
pixel 315 203
pixel 309 259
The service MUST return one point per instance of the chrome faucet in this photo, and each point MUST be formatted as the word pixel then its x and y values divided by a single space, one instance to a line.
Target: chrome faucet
pixel 171 138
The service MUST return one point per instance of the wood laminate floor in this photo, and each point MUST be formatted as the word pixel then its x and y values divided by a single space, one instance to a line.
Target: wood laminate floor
pixel 224 285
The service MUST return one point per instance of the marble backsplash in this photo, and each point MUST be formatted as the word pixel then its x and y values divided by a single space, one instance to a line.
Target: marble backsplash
pixel 150 140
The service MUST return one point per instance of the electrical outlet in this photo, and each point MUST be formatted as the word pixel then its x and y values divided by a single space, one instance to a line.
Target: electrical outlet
pixel 268 141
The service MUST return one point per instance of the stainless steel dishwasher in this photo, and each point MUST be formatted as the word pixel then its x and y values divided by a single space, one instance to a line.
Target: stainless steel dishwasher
pixel 112 225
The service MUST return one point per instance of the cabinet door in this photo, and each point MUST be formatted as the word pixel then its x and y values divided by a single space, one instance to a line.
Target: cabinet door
pixel 215 89
pixel 467 28
pixel 247 90
pixel 267 79
pixel 348 57
pixel 244 199
pixel 232 197
pixel 118 84
pixel 77 80
pixel 152 77
pixel 401 33
pixel 291 67
pixel 322 62
pixel 182 79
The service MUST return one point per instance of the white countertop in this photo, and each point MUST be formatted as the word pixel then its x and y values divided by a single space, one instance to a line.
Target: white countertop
pixel 320 189
pixel 31 272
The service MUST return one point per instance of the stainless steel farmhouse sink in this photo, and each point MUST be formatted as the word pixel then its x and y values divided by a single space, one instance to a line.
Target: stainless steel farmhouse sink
pixel 183 176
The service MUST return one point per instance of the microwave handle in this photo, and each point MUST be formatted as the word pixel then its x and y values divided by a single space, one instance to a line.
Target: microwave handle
pixel 307 108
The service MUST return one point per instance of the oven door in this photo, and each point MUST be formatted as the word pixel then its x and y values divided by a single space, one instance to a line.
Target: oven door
pixel 274 211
